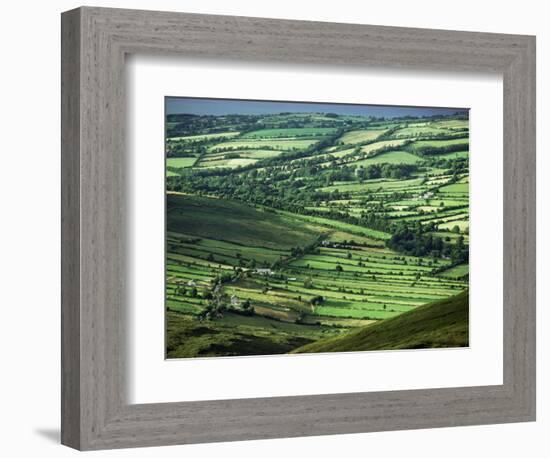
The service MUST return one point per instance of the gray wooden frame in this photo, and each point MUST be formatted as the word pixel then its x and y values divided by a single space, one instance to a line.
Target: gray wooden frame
pixel 95 413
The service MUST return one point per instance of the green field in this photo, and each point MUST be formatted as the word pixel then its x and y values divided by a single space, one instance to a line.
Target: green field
pixel 290 133
pixel 456 272
pixel 391 157
pixel 421 131
pixel 458 188
pixel 277 144
pixel 373 185
pixel 246 153
pixel 454 155
pixel 309 232
pixel 198 138
pixel 181 162
pixel 359 136
pixel 228 163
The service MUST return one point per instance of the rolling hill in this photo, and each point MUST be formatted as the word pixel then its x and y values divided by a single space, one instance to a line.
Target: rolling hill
pixel 236 222
pixel 439 324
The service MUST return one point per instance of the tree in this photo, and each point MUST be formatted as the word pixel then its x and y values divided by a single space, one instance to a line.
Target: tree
pixel 339 268
pixel 316 300
pixel 248 309
pixel 300 318
pixel 459 253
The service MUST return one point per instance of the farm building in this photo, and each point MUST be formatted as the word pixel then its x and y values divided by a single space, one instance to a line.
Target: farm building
pixel 264 271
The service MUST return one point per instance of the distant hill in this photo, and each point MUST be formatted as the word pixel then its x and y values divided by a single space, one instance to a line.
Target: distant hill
pixel 440 324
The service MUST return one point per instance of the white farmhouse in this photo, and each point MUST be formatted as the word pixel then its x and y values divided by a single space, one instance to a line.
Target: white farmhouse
pixel 264 271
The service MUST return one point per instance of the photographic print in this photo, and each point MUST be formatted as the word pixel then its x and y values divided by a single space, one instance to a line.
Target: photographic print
pixel 300 227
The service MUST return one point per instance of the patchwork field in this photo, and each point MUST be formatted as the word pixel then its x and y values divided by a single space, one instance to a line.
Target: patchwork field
pixel 285 231
pixel 180 162
pixel 359 136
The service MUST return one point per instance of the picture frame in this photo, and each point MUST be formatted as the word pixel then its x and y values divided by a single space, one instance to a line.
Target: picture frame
pixel 95 410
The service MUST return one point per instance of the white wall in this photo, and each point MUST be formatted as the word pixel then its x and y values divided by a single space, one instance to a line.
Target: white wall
pixel 29 242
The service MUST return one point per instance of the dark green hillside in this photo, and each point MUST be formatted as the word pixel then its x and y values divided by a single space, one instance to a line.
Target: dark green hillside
pixel 235 335
pixel 236 222
pixel 440 324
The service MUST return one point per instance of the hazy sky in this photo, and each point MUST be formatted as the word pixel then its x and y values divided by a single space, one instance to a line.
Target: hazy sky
pixel 226 106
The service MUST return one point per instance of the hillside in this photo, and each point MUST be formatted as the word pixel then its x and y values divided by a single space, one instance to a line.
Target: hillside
pixel 440 324
pixel 240 223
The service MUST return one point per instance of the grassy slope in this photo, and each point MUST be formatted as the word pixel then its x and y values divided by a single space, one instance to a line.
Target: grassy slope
pixel 440 324
pixel 233 335
pixel 235 222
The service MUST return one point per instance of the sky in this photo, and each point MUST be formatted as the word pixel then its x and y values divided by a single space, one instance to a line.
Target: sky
pixel 202 106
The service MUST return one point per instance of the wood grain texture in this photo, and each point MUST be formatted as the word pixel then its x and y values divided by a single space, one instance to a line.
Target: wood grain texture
pixel 96 414
pixel 70 229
